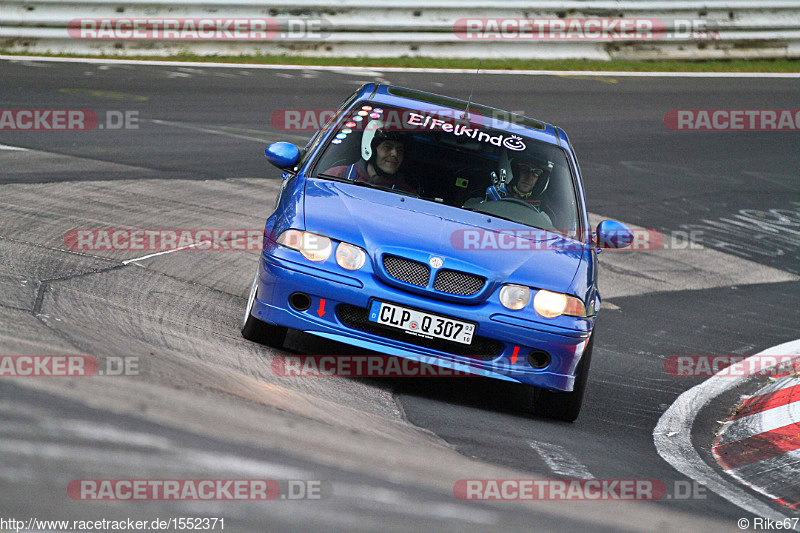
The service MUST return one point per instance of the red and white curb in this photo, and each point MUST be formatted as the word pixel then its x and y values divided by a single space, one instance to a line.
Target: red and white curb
pixel 673 436
pixel 759 445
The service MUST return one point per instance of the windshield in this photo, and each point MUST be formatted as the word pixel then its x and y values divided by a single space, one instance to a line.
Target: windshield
pixel 451 161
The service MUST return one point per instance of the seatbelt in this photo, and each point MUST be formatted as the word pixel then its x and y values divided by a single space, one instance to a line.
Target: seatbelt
pixel 352 173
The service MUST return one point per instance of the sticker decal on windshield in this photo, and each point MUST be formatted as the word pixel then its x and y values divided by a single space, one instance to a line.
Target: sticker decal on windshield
pixel 513 142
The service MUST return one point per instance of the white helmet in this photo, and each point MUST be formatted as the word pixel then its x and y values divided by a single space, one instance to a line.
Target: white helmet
pixel 374 134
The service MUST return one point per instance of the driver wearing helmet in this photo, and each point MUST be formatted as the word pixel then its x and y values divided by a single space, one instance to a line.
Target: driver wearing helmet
pixel 530 178
pixel 382 154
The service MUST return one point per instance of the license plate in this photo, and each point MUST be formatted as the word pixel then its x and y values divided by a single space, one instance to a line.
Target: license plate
pixel 421 323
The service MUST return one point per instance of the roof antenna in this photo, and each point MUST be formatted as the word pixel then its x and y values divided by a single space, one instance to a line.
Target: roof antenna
pixel 469 101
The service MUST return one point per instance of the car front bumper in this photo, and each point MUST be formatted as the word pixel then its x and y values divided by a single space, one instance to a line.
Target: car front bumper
pixel 283 272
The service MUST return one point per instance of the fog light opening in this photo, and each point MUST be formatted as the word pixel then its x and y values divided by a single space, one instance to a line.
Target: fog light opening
pixel 539 359
pixel 300 301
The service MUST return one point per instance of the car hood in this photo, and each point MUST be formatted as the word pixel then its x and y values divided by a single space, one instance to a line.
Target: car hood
pixel 381 221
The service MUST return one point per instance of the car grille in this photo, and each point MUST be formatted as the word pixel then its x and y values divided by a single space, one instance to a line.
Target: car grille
pixel 357 318
pixel 460 283
pixel 406 270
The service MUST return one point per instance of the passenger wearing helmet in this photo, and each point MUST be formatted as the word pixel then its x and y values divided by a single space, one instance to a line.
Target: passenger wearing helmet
pixel 382 154
pixel 529 178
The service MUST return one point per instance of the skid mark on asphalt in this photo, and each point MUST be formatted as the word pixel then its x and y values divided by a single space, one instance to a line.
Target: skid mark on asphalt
pixel 53 436
pixel 755 234
pixel 560 461
pixel 677 266
pixel 63 445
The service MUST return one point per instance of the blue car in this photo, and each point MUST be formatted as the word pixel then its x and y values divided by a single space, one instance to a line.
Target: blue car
pixel 439 230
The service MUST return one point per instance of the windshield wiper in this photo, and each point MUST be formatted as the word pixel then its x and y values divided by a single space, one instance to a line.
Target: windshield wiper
pixel 502 217
pixel 367 184
pixel 475 210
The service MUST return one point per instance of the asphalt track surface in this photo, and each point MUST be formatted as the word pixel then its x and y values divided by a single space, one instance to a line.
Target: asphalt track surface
pixel 206 404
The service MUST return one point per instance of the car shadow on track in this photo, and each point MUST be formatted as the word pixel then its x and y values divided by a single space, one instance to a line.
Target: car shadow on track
pixel 462 389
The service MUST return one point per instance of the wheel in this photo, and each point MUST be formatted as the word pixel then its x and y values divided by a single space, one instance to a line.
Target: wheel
pixel 566 406
pixel 255 330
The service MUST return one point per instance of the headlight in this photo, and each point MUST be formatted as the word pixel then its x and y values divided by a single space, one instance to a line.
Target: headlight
pixel 515 297
pixel 552 304
pixel 350 257
pixel 313 247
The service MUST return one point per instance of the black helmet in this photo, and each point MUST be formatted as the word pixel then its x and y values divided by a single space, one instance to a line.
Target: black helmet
pixel 540 168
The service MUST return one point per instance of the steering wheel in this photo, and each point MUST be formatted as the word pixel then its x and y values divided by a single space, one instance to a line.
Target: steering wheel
pixel 523 202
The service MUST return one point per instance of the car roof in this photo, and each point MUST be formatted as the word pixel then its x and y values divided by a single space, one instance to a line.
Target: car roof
pixel 490 116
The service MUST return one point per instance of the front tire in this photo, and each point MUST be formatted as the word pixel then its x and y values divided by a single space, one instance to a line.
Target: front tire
pixel 255 330
pixel 566 406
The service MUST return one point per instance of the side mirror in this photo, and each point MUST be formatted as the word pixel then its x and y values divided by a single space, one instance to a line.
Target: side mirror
pixel 613 234
pixel 282 154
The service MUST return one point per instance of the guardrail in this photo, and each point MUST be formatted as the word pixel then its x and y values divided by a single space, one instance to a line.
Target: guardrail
pixel 393 28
